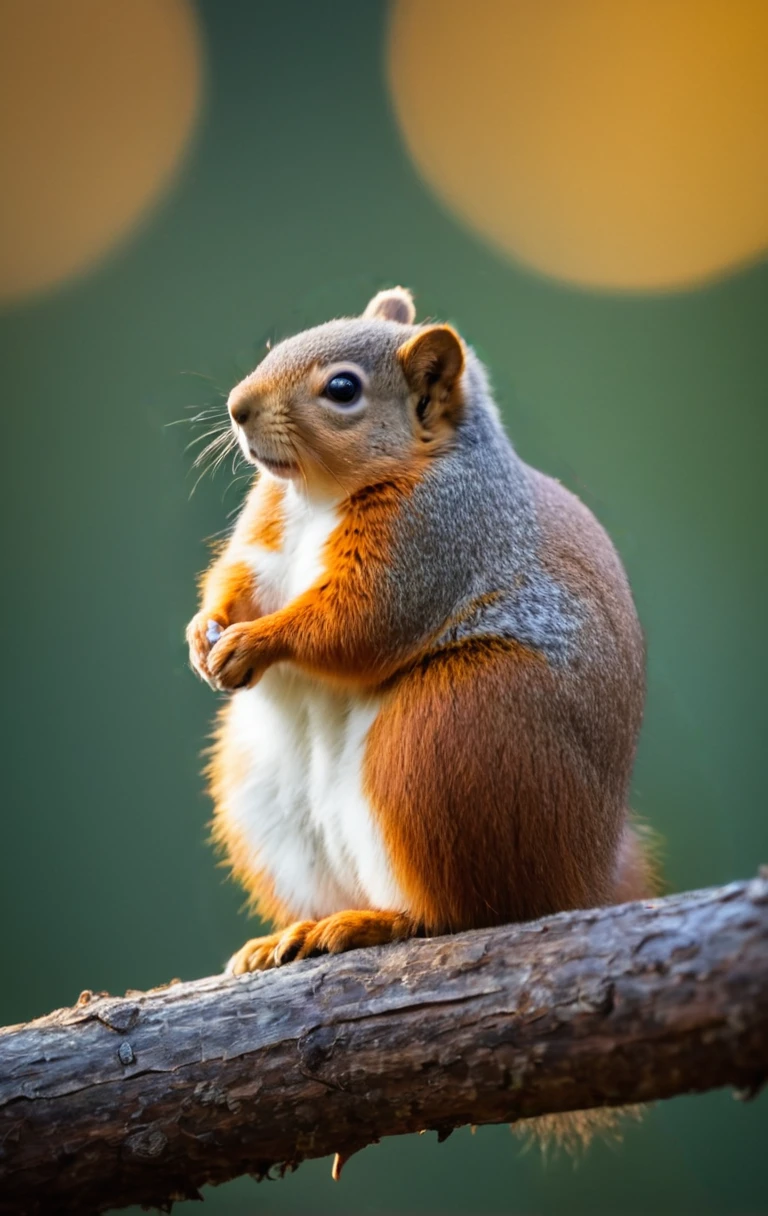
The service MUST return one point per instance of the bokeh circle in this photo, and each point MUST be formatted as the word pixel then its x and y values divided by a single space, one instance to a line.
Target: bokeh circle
pixel 619 145
pixel 99 100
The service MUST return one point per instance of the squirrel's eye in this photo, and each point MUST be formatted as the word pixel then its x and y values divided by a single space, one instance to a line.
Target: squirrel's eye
pixel 343 389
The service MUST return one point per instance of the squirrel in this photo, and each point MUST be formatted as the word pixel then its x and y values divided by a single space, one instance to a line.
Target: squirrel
pixel 436 666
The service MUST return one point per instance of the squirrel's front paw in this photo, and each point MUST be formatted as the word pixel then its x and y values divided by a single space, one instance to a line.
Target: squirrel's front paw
pixel 238 659
pixel 203 631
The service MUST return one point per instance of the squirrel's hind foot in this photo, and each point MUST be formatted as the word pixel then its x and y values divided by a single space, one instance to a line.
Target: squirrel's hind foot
pixel 332 935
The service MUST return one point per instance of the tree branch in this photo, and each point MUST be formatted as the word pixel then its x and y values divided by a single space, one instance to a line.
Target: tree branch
pixel 145 1098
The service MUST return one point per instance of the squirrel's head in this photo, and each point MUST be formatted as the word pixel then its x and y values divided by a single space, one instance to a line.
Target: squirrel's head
pixel 353 401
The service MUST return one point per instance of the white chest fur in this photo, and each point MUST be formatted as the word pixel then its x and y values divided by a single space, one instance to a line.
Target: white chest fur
pixel 285 573
pixel 300 804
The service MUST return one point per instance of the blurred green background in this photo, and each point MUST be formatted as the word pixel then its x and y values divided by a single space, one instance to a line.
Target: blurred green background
pixel 295 201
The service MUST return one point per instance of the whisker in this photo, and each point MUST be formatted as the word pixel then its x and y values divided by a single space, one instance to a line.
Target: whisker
pixel 304 478
pixel 222 456
pixel 218 432
pixel 222 532
pixel 247 476
pixel 214 453
pixel 202 376
pixel 314 456
pixel 199 478
pixel 234 511
pixel 224 441
pixel 208 414
pixel 291 438
pixel 215 430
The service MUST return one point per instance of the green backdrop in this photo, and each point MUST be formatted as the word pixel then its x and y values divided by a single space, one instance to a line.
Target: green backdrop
pixel 296 203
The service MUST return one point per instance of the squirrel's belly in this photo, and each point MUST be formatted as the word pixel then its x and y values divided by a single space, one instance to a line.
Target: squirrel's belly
pixel 297 802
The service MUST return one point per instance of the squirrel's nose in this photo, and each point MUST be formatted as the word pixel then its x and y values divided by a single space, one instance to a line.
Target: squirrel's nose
pixel 240 413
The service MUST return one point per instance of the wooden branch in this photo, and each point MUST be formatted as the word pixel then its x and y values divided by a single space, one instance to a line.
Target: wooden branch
pixel 144 1098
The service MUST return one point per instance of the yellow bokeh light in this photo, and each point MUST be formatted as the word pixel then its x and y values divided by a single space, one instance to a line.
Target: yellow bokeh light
pixel 611 143
pixel 98 99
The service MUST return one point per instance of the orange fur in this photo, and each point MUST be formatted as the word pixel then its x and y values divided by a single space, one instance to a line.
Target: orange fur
pixel 328 628
pixel 228 590
pixel 265 521
pixel 483 835
pixel 333 935
pixel 262 389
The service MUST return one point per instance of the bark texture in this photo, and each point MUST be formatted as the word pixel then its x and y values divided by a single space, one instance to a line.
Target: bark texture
pixel 145 1098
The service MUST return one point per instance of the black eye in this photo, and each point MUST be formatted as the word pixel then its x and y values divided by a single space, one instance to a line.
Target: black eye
pixel 344 388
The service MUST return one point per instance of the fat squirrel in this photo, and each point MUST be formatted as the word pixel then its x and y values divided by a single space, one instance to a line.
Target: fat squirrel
pixel 436 665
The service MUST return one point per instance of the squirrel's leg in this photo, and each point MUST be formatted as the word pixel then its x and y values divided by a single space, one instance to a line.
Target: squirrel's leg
pixel 332 935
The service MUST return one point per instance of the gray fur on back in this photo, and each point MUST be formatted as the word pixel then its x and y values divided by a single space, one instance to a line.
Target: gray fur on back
pixel 480 577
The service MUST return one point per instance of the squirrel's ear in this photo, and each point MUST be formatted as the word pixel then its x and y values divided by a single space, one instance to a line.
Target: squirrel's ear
pixel 394 304
pixel 433 361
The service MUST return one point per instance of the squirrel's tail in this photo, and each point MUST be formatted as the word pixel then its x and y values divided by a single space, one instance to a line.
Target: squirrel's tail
pixel 638 876
pixel 638 869
pixel 573 1131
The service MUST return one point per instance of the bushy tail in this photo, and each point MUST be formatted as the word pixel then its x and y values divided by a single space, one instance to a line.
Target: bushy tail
pixel 638 868
pixel 573 1131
